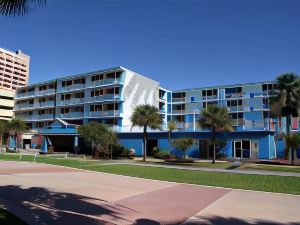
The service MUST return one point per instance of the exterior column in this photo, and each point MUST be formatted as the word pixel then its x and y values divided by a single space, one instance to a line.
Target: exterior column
pixel 44 148
pixel 76 144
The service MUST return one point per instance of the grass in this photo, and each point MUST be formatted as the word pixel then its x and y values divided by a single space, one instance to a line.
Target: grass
pixel 278 184
pixel 6 218
pixel 279 168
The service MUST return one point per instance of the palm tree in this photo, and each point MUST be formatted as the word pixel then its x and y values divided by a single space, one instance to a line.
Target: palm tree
pixel 171 126
pixel 16 127
pixel 3 125
pixel 293 142
pixel 215 119
pixel 146 116
pixel 286 101
pixel 19 7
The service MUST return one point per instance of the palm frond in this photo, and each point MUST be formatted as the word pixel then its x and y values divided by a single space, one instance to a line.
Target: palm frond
pixel 19 7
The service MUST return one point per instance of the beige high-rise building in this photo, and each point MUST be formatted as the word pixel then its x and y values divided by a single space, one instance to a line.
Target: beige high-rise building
pixel 6 104
pixel 14 69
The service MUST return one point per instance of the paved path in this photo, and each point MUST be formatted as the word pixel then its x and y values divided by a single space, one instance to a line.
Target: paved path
pixel 45 194
pixel 194 168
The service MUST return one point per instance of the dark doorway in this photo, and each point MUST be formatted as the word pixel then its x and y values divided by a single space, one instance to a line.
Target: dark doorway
pixel 205 149
pixel 150 145
pixel 62 143
pixel 26 142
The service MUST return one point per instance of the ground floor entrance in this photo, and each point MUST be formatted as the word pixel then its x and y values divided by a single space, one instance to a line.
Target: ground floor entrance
pixel 242 149
pixel 151 144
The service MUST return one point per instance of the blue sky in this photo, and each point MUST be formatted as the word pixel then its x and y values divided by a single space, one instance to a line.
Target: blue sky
pixel 180 43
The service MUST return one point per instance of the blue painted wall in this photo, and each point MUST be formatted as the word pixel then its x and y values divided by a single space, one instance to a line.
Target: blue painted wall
pixel 136 144
pixel 264 145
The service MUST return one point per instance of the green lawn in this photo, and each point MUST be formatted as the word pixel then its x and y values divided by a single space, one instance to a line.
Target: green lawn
pixel 278 184
pixel 6 218
pixel 295 169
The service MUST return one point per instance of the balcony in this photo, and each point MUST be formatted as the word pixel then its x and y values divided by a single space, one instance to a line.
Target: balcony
pixel 72 87
pixel 71 115
pixel 234 95
pixel 25 95
pixel 107 97
pixel 235 108
pixel 24 117
pixel 174 111
pixel 45 92
pixel 213 97
pixel 72 101
pixel 178 99
pixel 105 82
pixel 23 106
pixel 43 117
pixel 44 104
pixel 108 113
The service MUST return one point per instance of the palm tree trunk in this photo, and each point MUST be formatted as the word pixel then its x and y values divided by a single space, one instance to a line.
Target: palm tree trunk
pixel 145 143
pixel 1 141
pixel 292 156
pixel 288 131
pixel 214 142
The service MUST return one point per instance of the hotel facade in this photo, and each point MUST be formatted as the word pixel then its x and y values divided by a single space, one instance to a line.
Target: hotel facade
pixel 54 108
pixel 14 73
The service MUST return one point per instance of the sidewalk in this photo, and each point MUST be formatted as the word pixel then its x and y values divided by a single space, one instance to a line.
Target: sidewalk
pixel 236 171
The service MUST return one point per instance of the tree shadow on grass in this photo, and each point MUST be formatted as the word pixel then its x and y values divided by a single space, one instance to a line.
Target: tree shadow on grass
pixel 217 220
pixel 41 206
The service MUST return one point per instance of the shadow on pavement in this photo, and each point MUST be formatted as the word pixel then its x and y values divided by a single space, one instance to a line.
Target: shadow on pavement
pixel 41 206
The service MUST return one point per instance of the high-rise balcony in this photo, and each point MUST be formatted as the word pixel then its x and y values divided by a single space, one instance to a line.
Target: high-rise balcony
pixel 178 111
pixel 71 87
pixel 107 113
pixel 178 99
pixel 43 117
pixel 45 92
pixel 23 106
pixel 44 104
pixel 70 115
pixel 25 95
pixel 105 82
pixel 106 97
pixel 235 108
pixel 72 101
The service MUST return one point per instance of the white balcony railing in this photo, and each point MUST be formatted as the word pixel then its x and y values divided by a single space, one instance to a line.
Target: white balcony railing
pixel 72 101
pixel 45 92
pixel 107 113
pixel 72 115
pixel 105 82
pixel 107 97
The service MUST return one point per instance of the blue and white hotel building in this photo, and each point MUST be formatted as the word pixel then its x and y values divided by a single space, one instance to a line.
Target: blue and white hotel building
pixel 54 108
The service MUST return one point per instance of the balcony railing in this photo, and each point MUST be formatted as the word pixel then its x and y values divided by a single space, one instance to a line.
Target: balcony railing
pixel 45 92
pixel 233 95
pixel 235 108
pixel 71 87
pixel 44 104
pixel 24 117
pixel 210 97
pixel 178 99
pixel 107 97
pixel 25 95
pixel 105 82
pixel 175 111
pixel 23 106
pixel 70 115
pixel 108 113
pixel 43 117
pixel 72 101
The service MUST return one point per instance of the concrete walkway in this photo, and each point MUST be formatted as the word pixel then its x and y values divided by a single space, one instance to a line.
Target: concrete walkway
pixel 43 194
pixel 194 168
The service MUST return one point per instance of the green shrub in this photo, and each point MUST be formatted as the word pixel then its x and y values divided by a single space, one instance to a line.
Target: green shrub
pixel 160 153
